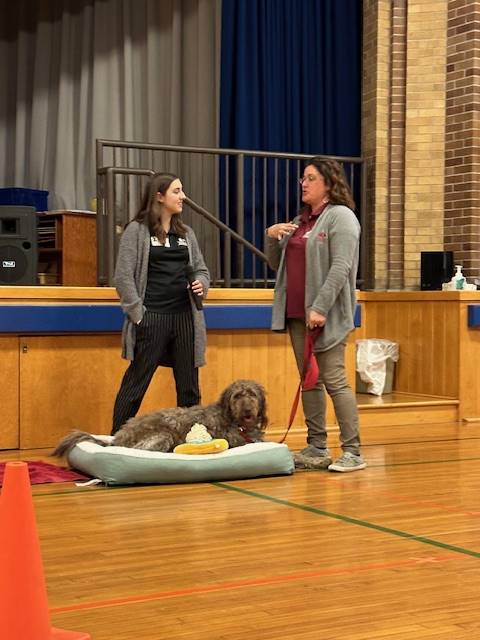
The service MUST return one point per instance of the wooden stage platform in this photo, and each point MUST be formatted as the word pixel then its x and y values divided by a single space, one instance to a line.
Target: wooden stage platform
pixel 61 364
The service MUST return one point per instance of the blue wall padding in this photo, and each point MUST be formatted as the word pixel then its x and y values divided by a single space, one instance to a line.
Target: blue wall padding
pixel 357 319
pixel 60 318
pixel 238 316
pixel 474 315
pixel 109 318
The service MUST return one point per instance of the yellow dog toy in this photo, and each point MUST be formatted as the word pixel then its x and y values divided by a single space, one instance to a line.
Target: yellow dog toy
pixel 199 441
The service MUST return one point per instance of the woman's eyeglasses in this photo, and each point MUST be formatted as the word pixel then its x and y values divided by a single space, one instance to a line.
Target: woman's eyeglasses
pixel 309 178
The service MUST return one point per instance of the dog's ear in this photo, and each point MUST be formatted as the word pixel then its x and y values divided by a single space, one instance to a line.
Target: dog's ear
pixel 263 407
pixel 225 402
pixel 259 391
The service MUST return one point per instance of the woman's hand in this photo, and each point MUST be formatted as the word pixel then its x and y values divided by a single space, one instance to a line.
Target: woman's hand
pixel 197 287
pixel 315 320
pixel 277 231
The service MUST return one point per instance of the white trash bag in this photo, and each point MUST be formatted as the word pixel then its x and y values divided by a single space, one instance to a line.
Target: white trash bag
pixel 372 356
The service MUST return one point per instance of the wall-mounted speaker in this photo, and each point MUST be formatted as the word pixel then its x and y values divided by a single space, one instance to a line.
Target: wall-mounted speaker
pixel 436 267
pixel 18 245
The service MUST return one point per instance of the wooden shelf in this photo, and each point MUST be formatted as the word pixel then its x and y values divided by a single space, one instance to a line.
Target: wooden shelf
pixel 49 251
pixel 67 249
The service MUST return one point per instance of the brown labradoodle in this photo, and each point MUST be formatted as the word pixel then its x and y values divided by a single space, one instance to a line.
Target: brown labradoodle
pixel 239 416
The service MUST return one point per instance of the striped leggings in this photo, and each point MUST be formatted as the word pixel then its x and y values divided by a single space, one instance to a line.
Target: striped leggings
pixel 159 334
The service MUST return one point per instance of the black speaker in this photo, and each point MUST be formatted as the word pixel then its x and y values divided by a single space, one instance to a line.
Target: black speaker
pixel 436 267
pixel 18 245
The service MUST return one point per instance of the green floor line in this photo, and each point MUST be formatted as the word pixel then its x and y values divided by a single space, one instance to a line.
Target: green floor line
pixel 337 516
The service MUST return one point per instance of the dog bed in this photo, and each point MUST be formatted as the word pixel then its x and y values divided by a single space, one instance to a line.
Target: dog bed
pixel 121 465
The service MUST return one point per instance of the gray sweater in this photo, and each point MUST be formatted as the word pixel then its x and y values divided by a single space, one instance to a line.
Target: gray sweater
pixel 331 262
pixel 130 280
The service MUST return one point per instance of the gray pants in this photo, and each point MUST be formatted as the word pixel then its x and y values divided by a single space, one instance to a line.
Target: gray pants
pixel 332 378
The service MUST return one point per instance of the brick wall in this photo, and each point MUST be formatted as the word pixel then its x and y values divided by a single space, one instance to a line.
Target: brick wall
pixel 424 133
pixel 462 170
pixel 396 160
pixel 375 138
pixel 420 119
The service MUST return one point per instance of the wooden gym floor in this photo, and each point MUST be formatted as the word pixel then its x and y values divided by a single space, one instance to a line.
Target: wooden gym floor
pixel 388 553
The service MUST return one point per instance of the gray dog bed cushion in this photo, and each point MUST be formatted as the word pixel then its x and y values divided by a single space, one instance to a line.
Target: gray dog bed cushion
pixel 121 465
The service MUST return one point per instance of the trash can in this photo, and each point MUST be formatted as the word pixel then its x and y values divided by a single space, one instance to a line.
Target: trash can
pixel 376 365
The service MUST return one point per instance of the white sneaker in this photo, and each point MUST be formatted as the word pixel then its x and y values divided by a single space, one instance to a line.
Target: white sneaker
pixel 348 462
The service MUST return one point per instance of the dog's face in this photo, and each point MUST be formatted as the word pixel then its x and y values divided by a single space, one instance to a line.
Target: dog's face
pixel 245 402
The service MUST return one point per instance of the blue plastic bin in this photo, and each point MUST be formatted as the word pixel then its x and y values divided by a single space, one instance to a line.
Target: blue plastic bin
pixel 18 196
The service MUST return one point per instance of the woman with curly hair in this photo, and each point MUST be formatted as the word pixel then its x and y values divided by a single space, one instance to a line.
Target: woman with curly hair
pixel 316 258
pixel 159 274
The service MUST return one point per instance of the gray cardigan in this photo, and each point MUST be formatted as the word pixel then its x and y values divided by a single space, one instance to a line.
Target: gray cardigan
pixel 130 280
pixel 331 262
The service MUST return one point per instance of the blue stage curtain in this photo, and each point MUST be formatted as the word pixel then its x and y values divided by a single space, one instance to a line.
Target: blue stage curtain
pixel 291 82
pixel 291 76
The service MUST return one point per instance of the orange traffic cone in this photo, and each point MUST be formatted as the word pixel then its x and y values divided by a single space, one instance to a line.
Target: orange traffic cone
pixel 24 611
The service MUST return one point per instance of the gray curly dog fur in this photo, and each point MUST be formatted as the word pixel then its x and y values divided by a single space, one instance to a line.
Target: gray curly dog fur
pixel 239 417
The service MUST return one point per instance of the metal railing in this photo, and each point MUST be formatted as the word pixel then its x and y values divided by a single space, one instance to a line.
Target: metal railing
pixel 233 195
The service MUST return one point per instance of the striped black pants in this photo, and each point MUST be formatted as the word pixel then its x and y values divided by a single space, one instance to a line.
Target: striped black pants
pixel 157 335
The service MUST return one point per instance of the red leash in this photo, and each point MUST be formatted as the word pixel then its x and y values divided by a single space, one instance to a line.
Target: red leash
pixel 309 376
pixel 244 434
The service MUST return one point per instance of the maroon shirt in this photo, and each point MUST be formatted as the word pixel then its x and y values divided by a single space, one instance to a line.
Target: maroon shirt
pixel 295 263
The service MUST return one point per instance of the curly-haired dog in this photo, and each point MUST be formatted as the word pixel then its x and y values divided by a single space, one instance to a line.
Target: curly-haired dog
pixel 239 417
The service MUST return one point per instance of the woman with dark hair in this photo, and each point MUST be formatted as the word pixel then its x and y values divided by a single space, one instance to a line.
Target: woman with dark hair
pixel 159 270
pixel 316 258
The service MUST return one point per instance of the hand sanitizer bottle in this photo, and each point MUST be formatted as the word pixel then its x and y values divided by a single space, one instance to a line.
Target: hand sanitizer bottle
pixel 458 278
